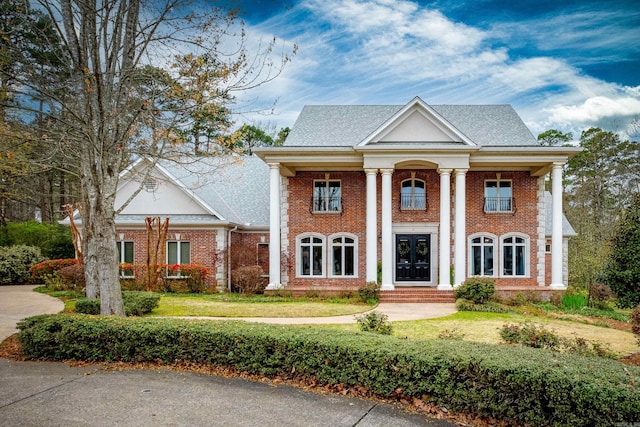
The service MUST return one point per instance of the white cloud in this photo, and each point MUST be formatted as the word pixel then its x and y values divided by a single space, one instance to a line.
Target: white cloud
pixel 594 110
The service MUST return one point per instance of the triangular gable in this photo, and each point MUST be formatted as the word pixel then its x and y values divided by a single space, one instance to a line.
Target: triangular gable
pixel 417 122
pixel 162 194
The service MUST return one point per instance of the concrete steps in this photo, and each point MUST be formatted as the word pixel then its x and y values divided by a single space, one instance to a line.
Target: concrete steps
pixel 417 295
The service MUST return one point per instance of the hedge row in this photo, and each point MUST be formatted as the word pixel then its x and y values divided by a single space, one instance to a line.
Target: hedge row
pixel 512 383
pixel 136 303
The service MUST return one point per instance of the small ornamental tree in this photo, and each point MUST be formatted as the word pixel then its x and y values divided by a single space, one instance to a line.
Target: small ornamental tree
pixel 622 272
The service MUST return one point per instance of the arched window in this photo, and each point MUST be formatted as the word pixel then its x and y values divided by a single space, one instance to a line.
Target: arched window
pixel 413 194
pixel 311 255
pixel 343 255
pixel 515 255
pixel 482 250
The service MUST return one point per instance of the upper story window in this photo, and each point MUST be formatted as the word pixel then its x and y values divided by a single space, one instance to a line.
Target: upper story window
pixel 125 256
pixel 413 194
pixel 327 195
pixel 498 196
pixel 178 253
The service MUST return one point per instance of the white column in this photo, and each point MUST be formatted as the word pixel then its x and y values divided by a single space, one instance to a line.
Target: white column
pixel 460 236
pixel 387 234
pixel 372 226
pixel 556 231
pixel 445 229
pixel 274 226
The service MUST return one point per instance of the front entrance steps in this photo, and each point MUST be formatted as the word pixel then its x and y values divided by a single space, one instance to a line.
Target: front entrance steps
pixel 417 295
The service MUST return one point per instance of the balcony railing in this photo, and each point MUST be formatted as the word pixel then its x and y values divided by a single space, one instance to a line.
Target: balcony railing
pixel 500 204
pixel 413 202
pixel 332 204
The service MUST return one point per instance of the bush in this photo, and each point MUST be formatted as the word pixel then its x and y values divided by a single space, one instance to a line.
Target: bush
pixel 135 303
pixel 476 289
pixel 370 292
pixel 74 275
pixel 451 334
pixel 374 322
pixel 15 262
pixel 488 307
pixel 519 385
pixel 635 318
pixel 39 270
pixel 53 240
pixel 248 279
pixel 530 335
pixel 574 301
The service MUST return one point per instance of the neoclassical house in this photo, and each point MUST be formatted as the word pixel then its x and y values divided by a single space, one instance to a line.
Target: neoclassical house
pixel 429 194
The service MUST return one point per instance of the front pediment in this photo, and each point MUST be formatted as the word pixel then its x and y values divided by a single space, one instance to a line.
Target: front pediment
pixel 417 123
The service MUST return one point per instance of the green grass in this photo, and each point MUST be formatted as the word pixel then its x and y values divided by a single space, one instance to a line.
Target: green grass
pixel 69 298
pixel 229 305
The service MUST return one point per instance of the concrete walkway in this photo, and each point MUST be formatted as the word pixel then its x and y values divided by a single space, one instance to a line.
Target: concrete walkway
pixel 56 394
pixel 19 302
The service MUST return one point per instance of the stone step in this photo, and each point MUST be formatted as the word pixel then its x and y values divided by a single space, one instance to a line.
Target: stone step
pixel 417 295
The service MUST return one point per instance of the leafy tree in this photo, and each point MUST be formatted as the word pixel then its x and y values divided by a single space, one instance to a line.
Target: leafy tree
pixel 103 103
pixel 599 181
pixel 622 272
pixel 282 135
pixel 554 138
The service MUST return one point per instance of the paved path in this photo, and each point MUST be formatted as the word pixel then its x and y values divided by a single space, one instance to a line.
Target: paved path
pixel 56 394
pixel 19 302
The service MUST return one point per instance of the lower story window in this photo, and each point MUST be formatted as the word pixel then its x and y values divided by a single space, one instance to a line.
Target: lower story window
pixel 343 259
pixel 514 251
pixel 311 256
pixel 125 257
pixel 178 253
pixel 482 249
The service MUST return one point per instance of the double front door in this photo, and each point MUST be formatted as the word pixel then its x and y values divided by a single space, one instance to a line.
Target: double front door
pixel 413 258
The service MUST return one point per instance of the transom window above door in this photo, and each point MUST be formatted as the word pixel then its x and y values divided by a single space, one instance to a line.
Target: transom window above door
pixel 413 195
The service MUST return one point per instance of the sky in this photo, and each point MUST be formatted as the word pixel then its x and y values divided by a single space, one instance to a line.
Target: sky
pixel 563 64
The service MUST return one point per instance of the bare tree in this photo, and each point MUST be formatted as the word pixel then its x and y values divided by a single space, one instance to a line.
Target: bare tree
pixel 152 78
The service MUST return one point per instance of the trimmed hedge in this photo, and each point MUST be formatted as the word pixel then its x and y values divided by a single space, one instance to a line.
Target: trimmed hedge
pixel 135 303
pixel 513 383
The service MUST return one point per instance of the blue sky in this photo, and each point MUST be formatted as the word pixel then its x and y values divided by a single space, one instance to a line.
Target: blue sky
pixel 565 64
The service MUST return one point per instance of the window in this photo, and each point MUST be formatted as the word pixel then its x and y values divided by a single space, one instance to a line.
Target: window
pixel 327 196
pixel 497 196
pixel 311 262
pixel 125 256
pixel 343 256
pixel 413 195
pixel 482 255
pixel 514 256
pixel 178 253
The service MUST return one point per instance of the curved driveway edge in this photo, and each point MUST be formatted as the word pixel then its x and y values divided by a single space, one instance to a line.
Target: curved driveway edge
pixel 20 302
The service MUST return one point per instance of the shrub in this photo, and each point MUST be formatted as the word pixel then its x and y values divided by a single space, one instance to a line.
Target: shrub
pixel 370 292
pixel 476 289
pixel 635 318
pixel 523 298
pixel 574 301
pixel 15 262
pixel 39 270
pixel 451 334
pixel 135 303
pixel 599 296
pixel 74 276
pixel 488 307
pixel 519 385
pixel 374 322
pixel 530 335
pixel 53 240
pixel 248 279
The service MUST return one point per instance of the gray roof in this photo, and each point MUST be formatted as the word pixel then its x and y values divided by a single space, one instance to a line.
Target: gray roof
pixel 236 188
pixel 348 125
pixel 567 229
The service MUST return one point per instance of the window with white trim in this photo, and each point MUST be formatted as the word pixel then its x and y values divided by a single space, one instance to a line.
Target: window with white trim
pixel 514 256
pixel 498 196
pixel 178 253
pixel 413 195
pixel 481 260
pixel 311 256
pixel 327 195
pixel 343 256
pixel 125 256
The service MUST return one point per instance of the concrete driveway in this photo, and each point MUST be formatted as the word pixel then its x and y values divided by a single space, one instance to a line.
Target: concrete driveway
pixel 56 394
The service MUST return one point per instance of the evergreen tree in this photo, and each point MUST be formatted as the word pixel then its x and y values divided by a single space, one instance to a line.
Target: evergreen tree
pixel 622 272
